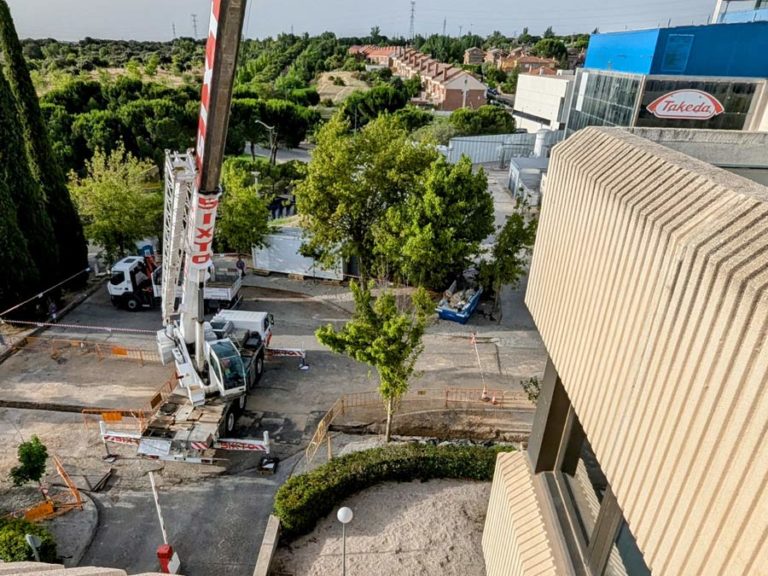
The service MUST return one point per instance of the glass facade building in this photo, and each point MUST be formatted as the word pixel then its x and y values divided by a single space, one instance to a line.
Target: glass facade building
pixel 606 98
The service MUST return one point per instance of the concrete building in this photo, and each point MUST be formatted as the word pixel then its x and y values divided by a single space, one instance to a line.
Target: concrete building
pixel 704 77
pixel 444 86
pixel 541 102
pixel 649 287
pixel 474 56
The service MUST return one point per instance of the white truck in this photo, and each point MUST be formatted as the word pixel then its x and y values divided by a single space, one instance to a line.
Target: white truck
pixel 216 362
pixel 136 282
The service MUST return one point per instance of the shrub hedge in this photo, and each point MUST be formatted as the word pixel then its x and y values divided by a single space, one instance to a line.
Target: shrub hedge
pixel 305 499
pixel 14 547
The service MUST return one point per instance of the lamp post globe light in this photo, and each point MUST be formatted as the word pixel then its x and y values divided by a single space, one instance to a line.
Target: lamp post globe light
pixel 344 515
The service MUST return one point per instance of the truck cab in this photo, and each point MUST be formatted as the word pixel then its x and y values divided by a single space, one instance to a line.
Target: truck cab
pixel 131 283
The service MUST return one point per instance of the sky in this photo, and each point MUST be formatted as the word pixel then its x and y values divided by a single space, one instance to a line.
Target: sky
pixel 154 19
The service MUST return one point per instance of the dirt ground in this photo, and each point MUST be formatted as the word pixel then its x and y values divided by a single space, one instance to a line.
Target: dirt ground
pixel 73 379
pixel 327 89
pixel 427 528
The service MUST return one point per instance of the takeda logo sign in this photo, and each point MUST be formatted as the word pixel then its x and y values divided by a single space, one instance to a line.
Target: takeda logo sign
pixel 686 105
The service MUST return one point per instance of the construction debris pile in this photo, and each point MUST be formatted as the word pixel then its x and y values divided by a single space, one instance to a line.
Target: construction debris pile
pixel 457 299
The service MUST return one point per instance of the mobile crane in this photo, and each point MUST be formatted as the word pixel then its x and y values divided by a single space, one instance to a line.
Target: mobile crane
pixel 218 361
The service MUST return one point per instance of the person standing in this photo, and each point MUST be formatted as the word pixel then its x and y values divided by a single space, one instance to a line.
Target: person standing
pixel 240 265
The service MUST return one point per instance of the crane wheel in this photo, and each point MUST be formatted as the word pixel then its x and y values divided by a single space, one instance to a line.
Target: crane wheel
pixel 132 304
pixel 229 423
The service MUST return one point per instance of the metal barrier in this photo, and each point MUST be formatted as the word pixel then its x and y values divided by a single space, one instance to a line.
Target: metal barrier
pixel 58 346
pixel 321 434
pixel 132 420
pixel 419 399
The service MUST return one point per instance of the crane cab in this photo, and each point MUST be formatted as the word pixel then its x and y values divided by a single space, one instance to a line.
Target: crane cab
pixel 226 369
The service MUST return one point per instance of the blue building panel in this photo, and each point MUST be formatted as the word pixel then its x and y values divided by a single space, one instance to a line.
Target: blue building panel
pixel 631 52
pixel 736 50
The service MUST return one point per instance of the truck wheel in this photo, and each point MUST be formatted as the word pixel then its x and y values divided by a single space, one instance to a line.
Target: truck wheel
pixel 240 403
pixel 132 304
pixel 259 367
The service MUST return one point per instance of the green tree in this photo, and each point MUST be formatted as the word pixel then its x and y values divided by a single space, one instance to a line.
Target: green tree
pixel 14 253
pixel 117 201
pixel 362 107
pixel 434 234
pixel 151 65
pixel 32 456
pixel 510 253
pixel 25 193
pixel 385 338
pixel 550 48
pixel 414 118
pixel 243 218
pixel 43 163
pixel 100 130
pixel 351 181
pixel 440 131
pixel 13 544
pixel 493 75
pixel 484 120
pixel 510 86
pixel 549 33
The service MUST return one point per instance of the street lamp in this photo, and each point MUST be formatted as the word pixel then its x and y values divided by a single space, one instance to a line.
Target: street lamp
pixel 345 516
pixel 271 136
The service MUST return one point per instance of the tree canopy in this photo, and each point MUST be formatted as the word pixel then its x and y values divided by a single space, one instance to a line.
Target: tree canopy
pixel 483 120
pixel 351 182
pixel 63 227
pixel 434 234
pixel 243 218
pixel 32 457
pixel 117 201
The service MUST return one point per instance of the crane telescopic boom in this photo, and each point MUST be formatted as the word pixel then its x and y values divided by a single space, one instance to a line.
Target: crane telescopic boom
pixel 224 33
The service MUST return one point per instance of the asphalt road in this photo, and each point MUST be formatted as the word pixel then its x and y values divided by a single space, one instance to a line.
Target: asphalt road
pixel 215 526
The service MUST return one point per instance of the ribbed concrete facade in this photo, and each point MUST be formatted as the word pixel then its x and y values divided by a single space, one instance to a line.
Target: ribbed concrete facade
pixel 648 285
pixel 515 540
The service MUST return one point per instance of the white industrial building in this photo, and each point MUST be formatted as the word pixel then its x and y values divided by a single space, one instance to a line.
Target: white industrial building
pixel 541 102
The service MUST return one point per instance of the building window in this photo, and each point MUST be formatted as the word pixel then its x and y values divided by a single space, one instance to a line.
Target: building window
pixel 597 537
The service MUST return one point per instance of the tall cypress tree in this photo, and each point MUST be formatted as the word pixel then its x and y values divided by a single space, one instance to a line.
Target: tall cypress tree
pixel 24 191
pixel 20 275
pixel 67 228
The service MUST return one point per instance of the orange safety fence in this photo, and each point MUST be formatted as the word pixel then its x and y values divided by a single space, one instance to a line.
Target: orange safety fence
pixel 102 350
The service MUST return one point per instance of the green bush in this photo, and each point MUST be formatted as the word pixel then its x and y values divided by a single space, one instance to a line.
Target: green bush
pixel 305 499
pixel 14 547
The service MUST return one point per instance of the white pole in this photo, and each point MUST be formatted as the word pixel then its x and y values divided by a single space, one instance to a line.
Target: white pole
pixel 157 505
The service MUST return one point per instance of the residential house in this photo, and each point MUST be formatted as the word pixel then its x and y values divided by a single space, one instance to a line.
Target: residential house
pixel 379 55
pixel 443 86
pixel 474 56
pixel 494 56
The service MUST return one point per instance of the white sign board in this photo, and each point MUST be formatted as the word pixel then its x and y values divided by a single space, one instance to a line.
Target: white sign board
pixel 686 105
